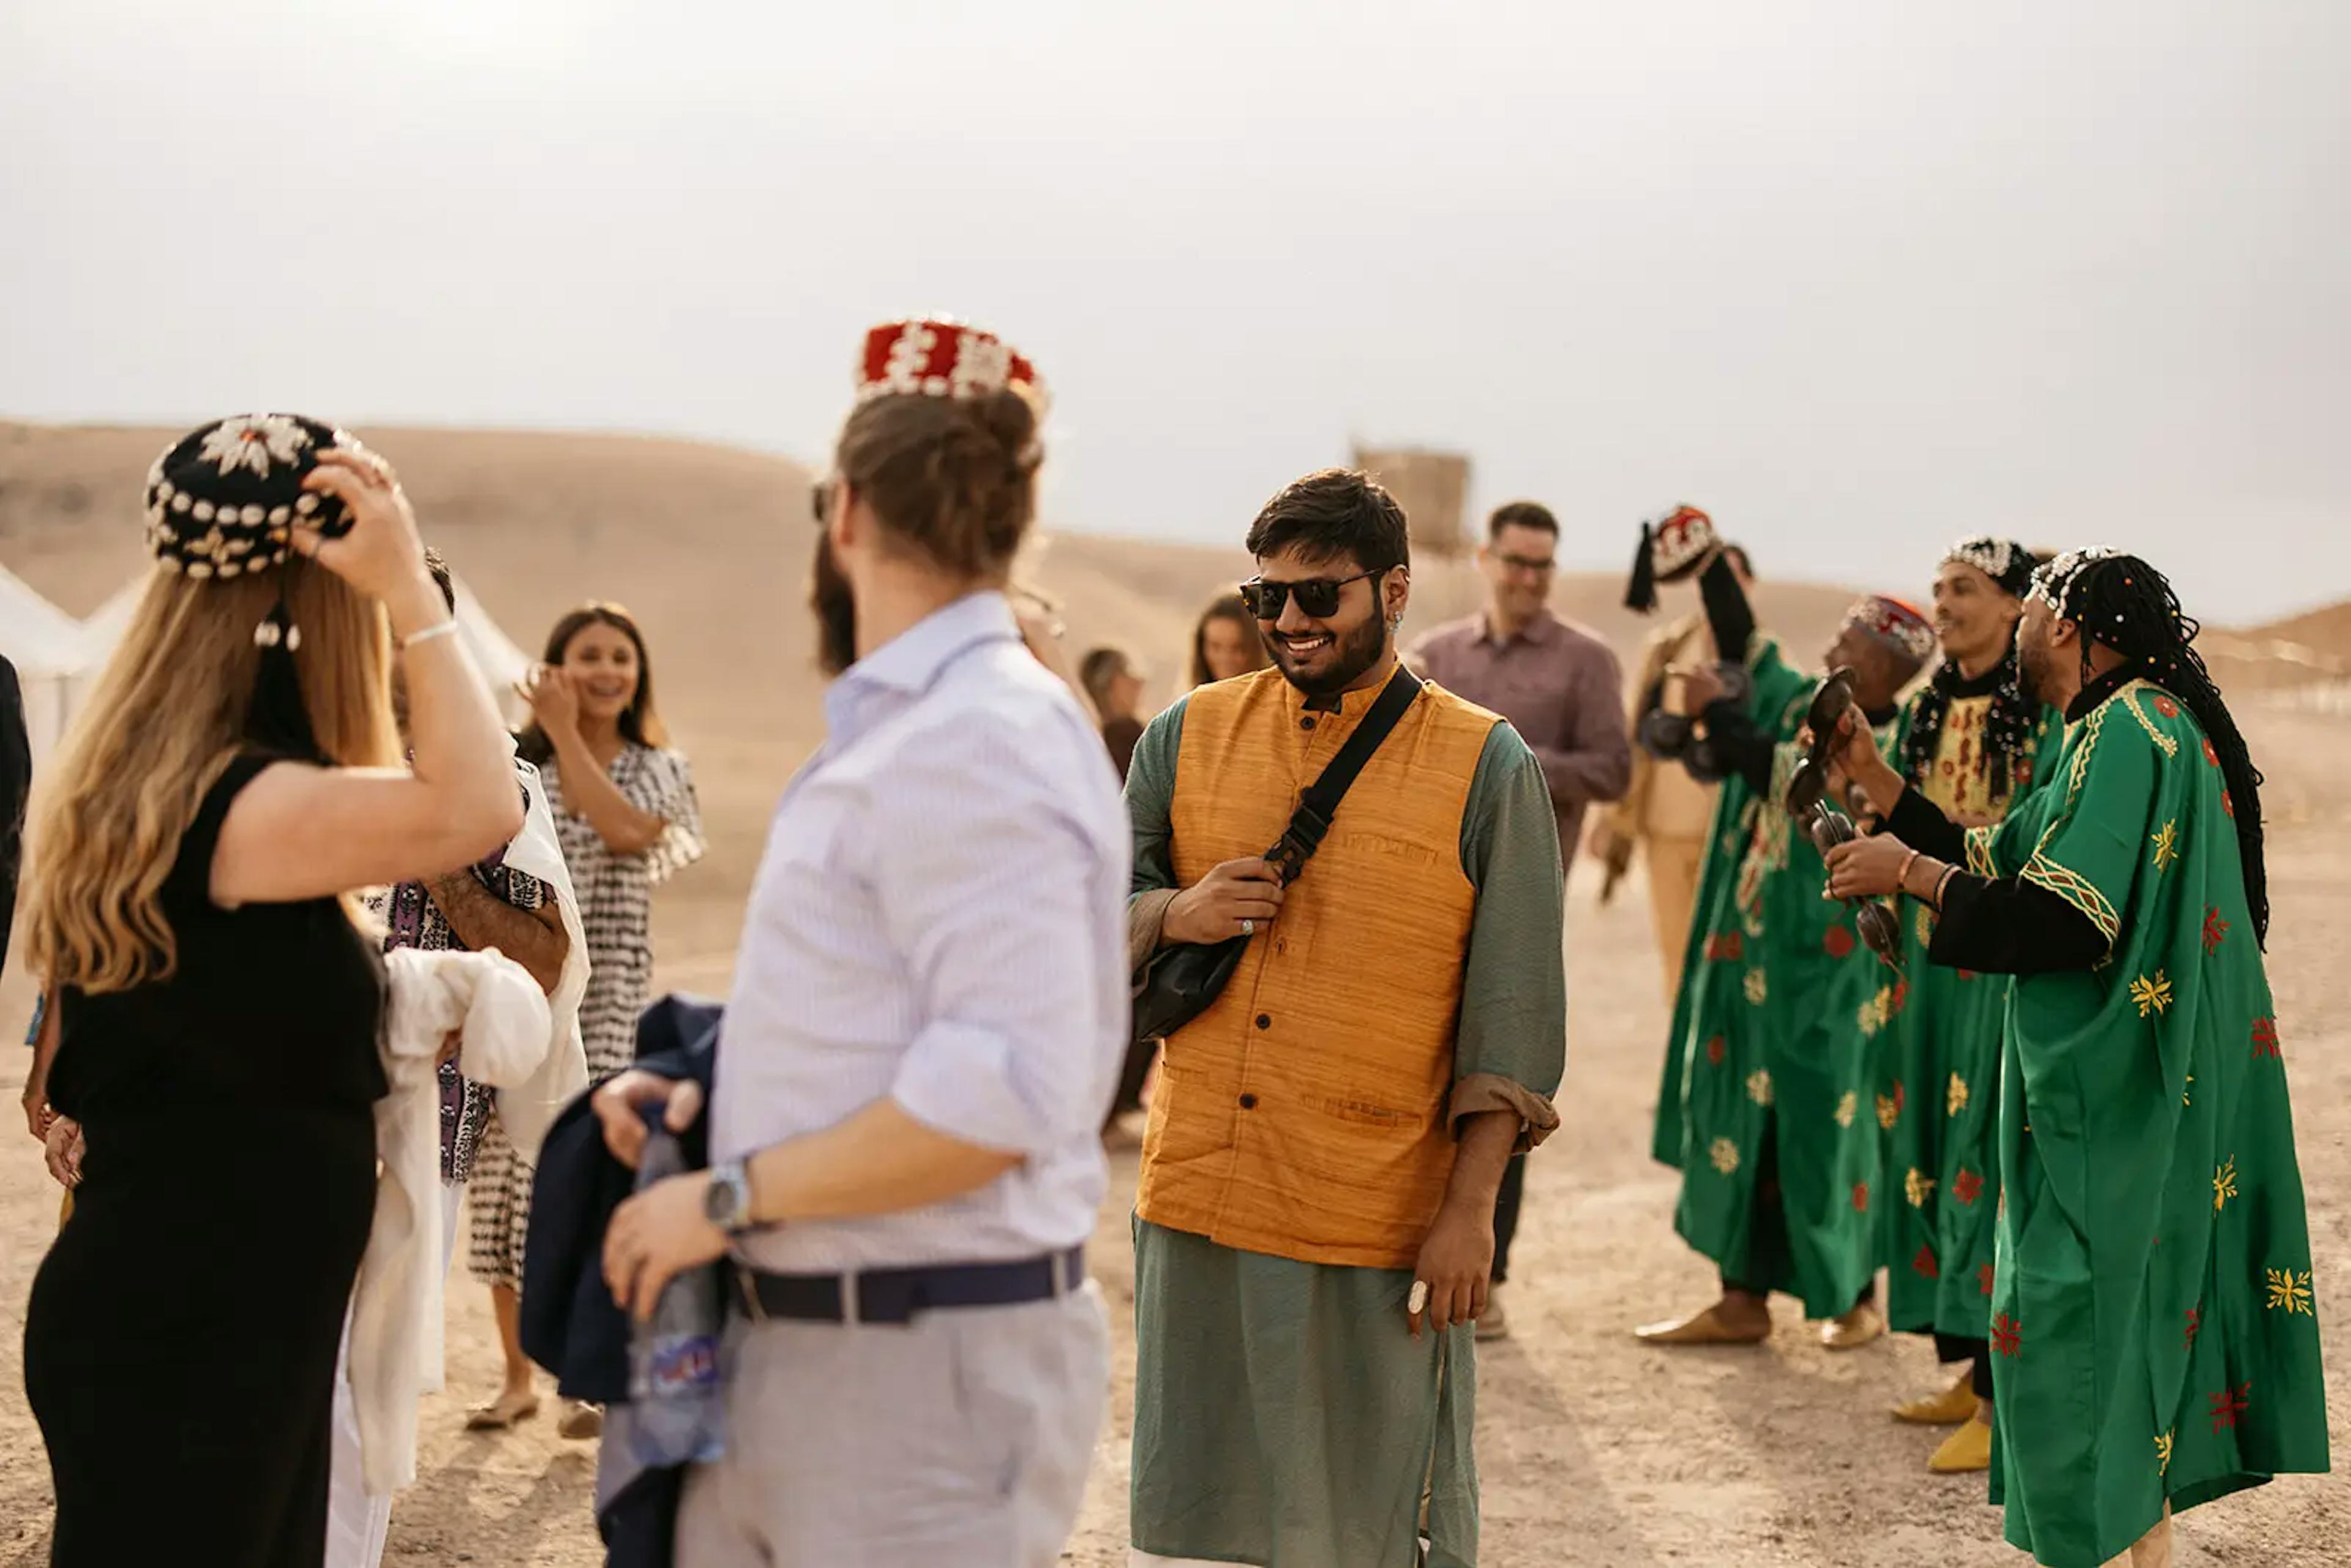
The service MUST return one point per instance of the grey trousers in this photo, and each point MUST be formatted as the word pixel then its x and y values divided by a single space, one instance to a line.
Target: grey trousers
pixel 964 1438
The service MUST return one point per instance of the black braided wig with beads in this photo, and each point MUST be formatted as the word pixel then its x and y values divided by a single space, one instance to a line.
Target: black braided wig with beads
pixel 2120 600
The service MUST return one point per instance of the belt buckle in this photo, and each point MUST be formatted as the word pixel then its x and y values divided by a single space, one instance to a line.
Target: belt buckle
pixel 849 1301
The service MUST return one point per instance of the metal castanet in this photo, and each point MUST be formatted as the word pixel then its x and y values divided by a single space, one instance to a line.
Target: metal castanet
pixel 1826 826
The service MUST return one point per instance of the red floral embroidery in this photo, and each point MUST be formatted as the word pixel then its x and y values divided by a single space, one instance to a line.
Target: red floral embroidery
pixel 1984 1276
pixel 2265 1037
pixel 1968 975
pixel 2228 1404
pixel 1727 948
pixel 1716 1051
pixel 2215 928
pixel 1967 1186
pixel 2195 1322
pixel 1901 997
pixel 1925 1265
pixel 2167 708
pixel 2007 1335
pixel 2227 802
pixel 2211 756
pixel 1861 1197
pixel 1839 941
pixel 1900 1097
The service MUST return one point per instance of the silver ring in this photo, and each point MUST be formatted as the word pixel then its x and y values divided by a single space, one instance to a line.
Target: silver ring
pixel 1249 927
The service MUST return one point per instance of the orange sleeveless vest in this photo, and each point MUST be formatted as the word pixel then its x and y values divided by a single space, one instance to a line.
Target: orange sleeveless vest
pixel 1304 1115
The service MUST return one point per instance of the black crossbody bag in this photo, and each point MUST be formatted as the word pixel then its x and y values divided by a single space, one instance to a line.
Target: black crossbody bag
pixel 1176 983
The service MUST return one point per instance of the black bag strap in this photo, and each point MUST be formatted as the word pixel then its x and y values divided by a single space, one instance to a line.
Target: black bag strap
pixel 1320 801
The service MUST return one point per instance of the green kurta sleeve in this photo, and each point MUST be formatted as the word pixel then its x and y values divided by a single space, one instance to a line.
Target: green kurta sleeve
pixel 1150 796
pixel 1511 1046
pixel 2094 846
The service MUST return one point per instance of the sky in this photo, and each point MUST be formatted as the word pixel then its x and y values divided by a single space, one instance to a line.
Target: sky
pixel 1855 277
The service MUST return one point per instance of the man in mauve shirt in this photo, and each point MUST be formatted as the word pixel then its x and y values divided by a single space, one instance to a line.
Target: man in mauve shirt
pixel 1561 690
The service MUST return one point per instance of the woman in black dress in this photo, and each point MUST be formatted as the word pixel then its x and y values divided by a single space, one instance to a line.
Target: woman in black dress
pixel 232 779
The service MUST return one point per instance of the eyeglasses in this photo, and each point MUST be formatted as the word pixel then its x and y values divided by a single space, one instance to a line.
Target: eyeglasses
pixel 1543 568
pixel 1316 596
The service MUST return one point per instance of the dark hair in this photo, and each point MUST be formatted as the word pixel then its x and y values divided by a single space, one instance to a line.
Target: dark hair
pixel 1333 513
pixel 1226 606
pixel 640 721
pixel 953 477
pixel 438 570
pixel 1521 515
pixel 1100 668
pixel 1738 554
pixel 2126 604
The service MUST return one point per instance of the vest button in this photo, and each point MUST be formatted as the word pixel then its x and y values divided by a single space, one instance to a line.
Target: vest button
pixel 1306 723
pixel 1248 1101
pixel 1265 1020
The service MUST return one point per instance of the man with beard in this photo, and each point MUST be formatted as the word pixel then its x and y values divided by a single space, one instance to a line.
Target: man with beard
pixel 927 1018
pixel 1974 741
pixel 2154 1333
pixel 1314 1217
pixel 1759 1105
pixel 1560 687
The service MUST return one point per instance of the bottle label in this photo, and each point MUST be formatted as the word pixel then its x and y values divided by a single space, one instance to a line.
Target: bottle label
pixel 681 1363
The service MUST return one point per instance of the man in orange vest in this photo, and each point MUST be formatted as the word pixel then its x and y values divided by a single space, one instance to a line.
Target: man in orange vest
pixel 1314 1220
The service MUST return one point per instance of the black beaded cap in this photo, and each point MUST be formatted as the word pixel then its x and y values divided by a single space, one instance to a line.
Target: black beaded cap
pixel 223 501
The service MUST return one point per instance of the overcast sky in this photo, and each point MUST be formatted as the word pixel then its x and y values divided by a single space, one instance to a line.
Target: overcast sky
pixel 1855 277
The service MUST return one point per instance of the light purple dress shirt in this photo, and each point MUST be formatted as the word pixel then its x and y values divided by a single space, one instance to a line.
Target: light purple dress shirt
pixel 940 918
pixel 1561 690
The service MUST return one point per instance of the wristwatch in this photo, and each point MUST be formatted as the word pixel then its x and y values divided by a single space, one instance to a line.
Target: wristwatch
pixel 726 1202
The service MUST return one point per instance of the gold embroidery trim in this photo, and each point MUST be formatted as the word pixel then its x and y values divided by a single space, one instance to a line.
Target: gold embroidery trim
pixel 2077 890
pixel 2129 698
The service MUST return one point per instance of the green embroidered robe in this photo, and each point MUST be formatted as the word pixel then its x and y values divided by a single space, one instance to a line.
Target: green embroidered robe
pixel 2152 1313
pixel 1937 1060
pixel 1765 1071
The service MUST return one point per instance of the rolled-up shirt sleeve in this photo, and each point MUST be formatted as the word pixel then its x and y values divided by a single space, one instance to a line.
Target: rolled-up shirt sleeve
pixel 1511 1046
pixel 983 881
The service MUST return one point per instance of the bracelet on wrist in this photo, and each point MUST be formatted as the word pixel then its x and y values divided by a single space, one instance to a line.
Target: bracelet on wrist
pixel 1942 885
pixel 438 629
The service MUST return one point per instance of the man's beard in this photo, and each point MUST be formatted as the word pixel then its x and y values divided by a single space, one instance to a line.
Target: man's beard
pixel 836 611
pixel 1353 655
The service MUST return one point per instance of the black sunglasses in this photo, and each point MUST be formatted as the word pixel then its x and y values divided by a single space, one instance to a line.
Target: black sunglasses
pixel 1316 596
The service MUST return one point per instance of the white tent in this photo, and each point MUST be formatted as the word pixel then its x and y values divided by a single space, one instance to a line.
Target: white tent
pixel 494 652
pixel 45 643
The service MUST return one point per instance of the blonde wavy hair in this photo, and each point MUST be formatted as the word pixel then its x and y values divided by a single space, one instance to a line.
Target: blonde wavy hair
pixel 162 724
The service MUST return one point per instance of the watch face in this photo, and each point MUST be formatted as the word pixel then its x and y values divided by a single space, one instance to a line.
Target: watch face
pixel 723 1202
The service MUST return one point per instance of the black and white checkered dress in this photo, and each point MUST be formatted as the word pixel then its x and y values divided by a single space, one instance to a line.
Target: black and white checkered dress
pixel 615 901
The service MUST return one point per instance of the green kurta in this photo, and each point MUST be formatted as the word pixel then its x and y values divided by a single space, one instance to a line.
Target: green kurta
pixel 1937 1065
pixel 1283 1412
pixel 2152 1309
pixel 1766 1069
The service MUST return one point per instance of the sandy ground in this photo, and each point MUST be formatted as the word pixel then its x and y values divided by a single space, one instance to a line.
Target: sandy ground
pixel 1593 1449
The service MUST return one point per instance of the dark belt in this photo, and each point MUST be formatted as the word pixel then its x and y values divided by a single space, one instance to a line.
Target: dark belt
pixel 896 1295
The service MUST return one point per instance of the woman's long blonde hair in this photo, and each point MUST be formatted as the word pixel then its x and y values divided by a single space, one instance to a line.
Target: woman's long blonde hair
pixel 166 717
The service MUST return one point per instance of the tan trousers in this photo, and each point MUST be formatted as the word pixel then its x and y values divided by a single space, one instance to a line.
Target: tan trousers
pixel 2152 1550
pixel 1674 866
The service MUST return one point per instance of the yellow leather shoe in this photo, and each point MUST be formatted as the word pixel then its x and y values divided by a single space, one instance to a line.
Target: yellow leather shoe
pixel 1967 1450
pixel 1708 1327
pixel 1947 1407
pixel 1854 1329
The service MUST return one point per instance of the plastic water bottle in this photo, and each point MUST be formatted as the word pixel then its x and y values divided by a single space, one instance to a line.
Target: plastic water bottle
pixel 677 1415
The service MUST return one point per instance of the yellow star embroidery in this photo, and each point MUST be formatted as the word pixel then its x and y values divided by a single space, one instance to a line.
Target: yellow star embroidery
pixel 2224 1184
pixel 2167 845
pixel 1889 1113
pixel 1725 1156
pixel 2185 1092
pixel 1758 989
pixel 1759 1087
pixel 2163 1454
pixel 2289 1291
pixel 1847 1109
pixel 1925 925
pixel 1917 1188
pixel 1956 1098
pixel 2152 996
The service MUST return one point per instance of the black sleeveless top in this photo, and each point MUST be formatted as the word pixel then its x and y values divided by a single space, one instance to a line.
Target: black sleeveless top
pixel 271 1004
